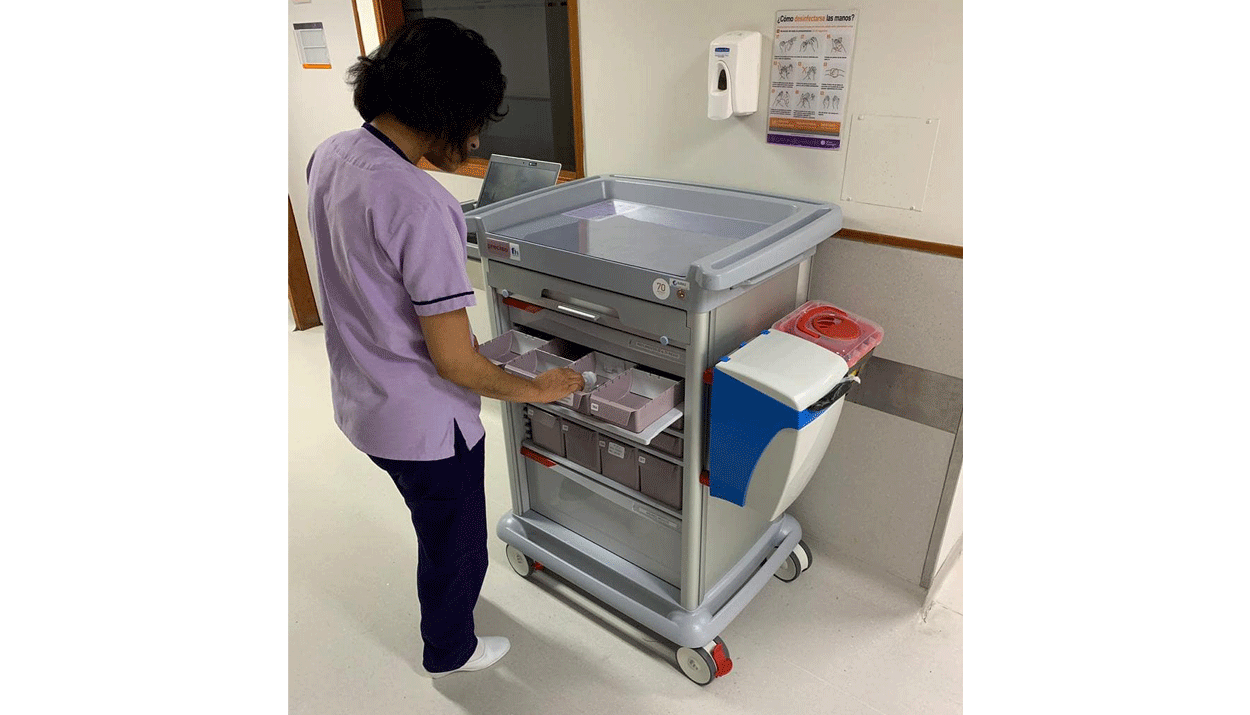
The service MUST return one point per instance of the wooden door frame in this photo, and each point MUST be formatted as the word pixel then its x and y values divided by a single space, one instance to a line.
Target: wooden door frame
pixel 298 286
pixel 390 16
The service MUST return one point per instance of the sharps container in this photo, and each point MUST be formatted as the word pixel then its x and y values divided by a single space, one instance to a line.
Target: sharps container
pixel 775 404
pixel 834 329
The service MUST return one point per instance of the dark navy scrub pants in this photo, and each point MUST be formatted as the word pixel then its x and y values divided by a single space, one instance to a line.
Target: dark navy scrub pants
pixel 447 499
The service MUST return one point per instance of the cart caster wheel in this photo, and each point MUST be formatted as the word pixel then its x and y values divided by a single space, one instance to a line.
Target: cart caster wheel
pixel 705 664
pixel 521 563
pixel 805 555
pixel 796 563
pixel 790 569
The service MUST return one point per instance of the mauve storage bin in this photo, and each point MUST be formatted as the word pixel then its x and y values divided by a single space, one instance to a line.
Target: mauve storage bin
pixel 635 399
pixel 619 462
pixel 545 428
pixel 605 368
pixel 581 445
pixel 660 480
pixel 533 364
pixel 668 444
pixel 510 346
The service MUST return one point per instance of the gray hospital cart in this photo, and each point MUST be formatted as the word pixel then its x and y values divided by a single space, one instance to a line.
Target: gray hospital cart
pixel 665 277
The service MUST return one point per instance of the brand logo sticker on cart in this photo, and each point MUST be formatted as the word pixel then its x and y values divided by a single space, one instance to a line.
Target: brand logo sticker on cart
pixel 503 249
pixel 660 288
pixel 616 450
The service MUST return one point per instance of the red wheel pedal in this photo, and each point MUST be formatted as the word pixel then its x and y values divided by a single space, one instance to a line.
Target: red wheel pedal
pixel 723 663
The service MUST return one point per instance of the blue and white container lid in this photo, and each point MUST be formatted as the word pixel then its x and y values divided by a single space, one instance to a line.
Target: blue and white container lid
pixel 789 369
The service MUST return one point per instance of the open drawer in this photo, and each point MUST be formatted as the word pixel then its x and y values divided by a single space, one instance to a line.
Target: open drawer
pixel 516 344
pixel 603 369
pixel 635 399
pixel 510 346
pixel 535 363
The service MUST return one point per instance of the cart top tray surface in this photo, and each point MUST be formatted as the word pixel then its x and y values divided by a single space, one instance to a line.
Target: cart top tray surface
pixel 719 237
pixel 653 237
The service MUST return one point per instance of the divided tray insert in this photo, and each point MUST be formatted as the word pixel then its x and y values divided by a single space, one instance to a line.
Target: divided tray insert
pixel 635 399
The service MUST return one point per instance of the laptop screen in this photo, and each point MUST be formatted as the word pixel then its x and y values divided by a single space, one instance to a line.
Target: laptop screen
pixel 509 176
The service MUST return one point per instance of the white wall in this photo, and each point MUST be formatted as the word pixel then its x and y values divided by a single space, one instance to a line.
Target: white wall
pixel 644 73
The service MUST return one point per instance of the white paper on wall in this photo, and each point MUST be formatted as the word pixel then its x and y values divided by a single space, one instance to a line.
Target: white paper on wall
pixel 310 37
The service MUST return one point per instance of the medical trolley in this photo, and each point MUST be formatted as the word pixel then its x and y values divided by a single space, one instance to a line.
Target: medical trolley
pixel 659 292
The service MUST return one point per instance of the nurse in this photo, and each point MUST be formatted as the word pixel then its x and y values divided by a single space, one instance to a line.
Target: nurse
pixel 405 374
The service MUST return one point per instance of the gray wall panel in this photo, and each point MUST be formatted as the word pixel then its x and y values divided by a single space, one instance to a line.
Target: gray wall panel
pixel 916 297
pixel 876 493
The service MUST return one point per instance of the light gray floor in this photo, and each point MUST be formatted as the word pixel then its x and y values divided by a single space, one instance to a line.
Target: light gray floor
pixel 839 640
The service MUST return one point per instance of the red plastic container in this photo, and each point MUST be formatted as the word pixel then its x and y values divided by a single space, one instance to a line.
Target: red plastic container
pixel 834 329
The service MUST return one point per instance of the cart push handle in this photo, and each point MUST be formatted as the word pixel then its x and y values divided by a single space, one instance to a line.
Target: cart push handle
pixel 775 246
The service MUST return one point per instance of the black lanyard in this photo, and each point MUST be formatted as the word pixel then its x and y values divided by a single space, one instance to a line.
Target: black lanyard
pixel 385 140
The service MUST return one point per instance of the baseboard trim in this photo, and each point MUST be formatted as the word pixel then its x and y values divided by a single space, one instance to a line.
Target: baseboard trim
pixel 911 244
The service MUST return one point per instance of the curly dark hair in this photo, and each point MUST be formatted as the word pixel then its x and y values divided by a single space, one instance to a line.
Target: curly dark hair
pixel 436 76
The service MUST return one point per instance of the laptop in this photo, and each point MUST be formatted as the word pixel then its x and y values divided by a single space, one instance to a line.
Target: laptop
pixel 508 176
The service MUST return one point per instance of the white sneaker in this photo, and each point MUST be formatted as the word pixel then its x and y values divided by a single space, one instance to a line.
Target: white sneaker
pixel 488 652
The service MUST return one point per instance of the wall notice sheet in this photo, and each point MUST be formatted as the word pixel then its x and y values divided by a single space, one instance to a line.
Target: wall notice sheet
pixel 810 76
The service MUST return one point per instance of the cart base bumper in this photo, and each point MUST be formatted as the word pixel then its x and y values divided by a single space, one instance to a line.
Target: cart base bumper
pixel 642 597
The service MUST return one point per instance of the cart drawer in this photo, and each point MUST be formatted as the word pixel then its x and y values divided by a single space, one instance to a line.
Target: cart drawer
pixel 614 310
pixel 638 533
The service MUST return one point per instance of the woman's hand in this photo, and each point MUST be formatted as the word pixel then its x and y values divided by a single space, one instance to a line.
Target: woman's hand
pixel 555 385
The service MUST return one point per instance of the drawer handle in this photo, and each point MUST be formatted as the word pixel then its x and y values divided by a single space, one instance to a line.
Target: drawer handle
pixel 531 454
pixel 579 313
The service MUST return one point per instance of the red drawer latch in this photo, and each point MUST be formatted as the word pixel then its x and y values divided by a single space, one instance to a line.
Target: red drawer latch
pixel 527 307
pixel 531 454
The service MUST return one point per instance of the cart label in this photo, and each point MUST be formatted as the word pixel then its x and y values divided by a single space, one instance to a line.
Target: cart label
pixel 503 249
pixel 658 517
pixel 616 450
pixel 657 350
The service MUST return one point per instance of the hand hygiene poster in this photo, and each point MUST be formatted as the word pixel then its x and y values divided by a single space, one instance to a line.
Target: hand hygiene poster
pixel 810 76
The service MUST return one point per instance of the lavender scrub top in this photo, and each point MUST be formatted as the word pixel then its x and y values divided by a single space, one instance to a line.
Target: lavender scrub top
pixel 391 245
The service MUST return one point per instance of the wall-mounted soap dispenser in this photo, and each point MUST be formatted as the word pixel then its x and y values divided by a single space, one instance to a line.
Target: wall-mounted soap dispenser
pixel 733 75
